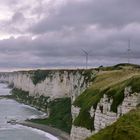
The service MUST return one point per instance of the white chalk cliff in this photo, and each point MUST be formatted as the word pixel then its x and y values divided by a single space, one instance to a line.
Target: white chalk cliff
pixel 72 84
pixel 59 85
pixel 103 115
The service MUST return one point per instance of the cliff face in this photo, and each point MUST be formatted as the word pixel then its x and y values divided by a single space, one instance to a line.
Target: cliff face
pixel 105 99
pixel 58 84
pixel 103 116
pixel 112 94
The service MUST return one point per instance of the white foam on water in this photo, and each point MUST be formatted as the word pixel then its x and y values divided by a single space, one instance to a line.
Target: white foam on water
pixel 9 127
pixel 33 108
pixel 48 135
pixel 40 132
pixel 33 117
pixel 37 116
pixel 5 128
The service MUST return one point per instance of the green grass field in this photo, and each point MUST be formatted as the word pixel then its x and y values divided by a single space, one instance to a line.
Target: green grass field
pixel 111 82
pixel 126 128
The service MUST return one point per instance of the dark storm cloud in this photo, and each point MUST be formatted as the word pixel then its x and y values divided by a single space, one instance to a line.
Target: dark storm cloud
pixel 105 13
pixel 53 33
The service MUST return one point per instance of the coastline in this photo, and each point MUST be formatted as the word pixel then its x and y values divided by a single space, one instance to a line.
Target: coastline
pixel 53 131
pixel 61 135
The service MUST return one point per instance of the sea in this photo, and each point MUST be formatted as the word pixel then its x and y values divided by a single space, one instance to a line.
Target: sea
pixel 12 110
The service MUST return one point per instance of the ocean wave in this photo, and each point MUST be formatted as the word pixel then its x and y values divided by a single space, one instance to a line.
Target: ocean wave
pixel 48 135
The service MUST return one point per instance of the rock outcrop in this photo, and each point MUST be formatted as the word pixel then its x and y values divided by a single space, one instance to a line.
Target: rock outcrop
pixel 68 83
pixel 103 116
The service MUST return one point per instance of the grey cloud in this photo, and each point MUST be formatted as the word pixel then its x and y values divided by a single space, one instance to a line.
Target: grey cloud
pixel 100 27
pixel 59 50
pixel 99 12
pixel 18 17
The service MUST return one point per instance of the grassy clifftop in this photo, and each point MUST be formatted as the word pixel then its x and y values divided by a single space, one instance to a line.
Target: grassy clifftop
pixel 126 128
pixel 111 82
pixel 38 76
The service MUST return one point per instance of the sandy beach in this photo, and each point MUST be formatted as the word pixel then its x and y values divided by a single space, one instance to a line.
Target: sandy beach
pixel 61 135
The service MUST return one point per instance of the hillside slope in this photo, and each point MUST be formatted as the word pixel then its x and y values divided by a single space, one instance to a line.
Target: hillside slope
pixel 126 128
pixel 112 82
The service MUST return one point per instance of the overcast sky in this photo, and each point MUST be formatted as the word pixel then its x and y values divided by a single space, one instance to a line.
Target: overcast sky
pixel 52 33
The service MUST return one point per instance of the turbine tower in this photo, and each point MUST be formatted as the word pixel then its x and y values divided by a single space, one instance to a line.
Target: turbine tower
pixel 129 51
pixel 87 55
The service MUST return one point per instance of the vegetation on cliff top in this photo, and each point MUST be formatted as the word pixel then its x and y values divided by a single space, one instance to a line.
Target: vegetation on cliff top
pixel 111 83
pixel 38 76
pixel 126 128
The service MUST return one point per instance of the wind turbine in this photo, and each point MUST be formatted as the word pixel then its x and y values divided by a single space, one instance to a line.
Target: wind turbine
pixel 129 50
pixel 87 55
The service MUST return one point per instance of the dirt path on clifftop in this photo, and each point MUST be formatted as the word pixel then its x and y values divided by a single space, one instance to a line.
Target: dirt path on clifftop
pixel 54 131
